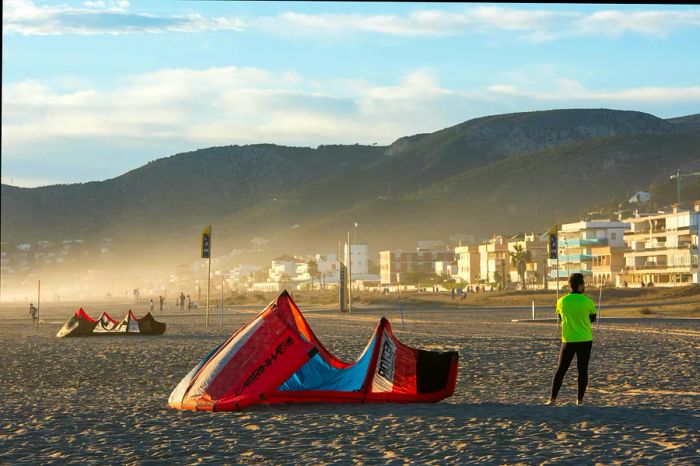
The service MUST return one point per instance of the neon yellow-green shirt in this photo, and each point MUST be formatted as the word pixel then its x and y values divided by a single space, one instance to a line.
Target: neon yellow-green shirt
pixel 574 309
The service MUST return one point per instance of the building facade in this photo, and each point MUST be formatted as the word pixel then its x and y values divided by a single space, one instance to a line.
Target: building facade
pixel 663 248
pixel 494 261
pixel 577 243
pixel 534 271
pixel 397 261
pixel 359 259
pixel 468 264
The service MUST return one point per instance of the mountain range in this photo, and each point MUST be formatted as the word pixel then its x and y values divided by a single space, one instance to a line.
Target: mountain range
pixel 497 174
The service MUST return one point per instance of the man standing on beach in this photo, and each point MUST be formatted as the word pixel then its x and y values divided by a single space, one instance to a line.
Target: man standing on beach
pixel 576 312
pixel 34 312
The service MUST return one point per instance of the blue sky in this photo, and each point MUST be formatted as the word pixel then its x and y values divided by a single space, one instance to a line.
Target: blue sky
pixel 95 88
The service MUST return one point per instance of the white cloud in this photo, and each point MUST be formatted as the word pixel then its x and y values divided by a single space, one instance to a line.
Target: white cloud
pixel 535 25
pixel 251 105
pixel 102 17
pixel 160 113
pixel 114 17
pixel 573 91
pixel 652 23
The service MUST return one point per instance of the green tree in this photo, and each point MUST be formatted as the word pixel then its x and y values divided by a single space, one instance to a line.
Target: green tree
pixel 519 258
pixel 313 271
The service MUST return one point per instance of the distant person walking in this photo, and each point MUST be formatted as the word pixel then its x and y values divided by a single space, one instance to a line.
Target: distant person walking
pixel 182 301
pixel 189 303
pixel 151 305
pixel 34 312
pixel 576 312
pixel 161 299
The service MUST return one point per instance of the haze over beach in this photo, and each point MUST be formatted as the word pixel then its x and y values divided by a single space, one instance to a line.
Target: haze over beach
pixel 448 166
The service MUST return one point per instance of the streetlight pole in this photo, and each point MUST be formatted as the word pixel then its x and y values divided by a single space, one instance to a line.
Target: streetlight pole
pixel 678 177
pixel 349 274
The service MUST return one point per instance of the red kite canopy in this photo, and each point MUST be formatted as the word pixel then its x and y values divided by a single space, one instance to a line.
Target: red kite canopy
pixel 276 358
pixel 81 324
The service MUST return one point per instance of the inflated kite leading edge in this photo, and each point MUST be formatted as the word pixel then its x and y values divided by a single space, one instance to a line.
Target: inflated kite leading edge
pixel 276 358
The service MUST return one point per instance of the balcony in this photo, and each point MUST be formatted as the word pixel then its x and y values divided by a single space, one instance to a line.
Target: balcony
pixel 686 230
pixel 566 273
pixel 662 248
pixel 662 267
pixel 576 258
pixel 578 242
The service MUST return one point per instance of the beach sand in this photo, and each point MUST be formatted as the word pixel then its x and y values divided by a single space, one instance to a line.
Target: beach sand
pixel 105 399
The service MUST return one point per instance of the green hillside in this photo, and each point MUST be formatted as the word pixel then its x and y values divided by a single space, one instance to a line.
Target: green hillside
pixel 503 173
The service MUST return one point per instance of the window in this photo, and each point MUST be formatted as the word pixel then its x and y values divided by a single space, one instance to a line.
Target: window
pixel 613 235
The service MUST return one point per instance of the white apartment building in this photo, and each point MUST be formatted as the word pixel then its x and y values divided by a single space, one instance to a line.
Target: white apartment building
pixel 448 268
pixel 494 260
pixel 663 248
pixel 283 265
pixel 242 272
pixel 358 259
pixel 328 267
pixel 577 245
pixel 468 259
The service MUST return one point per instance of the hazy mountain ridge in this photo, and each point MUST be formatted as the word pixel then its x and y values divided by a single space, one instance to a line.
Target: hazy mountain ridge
pixel 176 190
pixel 513 171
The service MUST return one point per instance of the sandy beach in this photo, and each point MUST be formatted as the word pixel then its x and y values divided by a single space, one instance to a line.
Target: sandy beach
pixel 104 400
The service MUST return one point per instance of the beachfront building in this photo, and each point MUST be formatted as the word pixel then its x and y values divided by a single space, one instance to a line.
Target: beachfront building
pixel 397 261
pixel 468 264
pixel 607 264
pixel 494 261
pixel 282 274
pixel 242 272
pixel 662 248
pixel 534 270
pixel 283 267
pixel 328 267
pixel 358 259
pixel 274 287
pixel 241 276
pixel 579 242
pixel 446 268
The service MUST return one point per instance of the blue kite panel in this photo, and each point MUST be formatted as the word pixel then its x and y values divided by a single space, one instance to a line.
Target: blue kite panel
pixel 317 374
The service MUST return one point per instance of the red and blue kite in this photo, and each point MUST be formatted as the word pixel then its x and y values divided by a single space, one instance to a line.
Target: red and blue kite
pixel 276 358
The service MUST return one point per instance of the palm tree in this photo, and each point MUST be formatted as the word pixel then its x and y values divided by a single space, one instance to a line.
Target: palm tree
pixel 312 267
pixel 519 258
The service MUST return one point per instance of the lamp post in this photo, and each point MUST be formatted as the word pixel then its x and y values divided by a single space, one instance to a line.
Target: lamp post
pixel 503 273
pixel 678 177
pixel 349 274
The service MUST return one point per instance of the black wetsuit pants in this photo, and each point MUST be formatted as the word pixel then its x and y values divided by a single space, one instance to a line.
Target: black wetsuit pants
pixel 582 350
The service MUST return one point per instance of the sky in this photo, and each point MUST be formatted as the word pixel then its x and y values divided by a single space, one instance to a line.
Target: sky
pixel 93 89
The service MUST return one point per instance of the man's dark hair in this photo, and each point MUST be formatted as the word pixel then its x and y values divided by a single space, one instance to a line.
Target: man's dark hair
pixel 576 279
